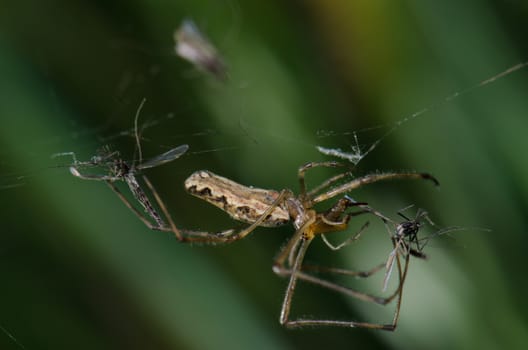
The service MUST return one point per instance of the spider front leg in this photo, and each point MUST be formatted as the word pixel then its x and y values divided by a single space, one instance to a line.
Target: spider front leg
pixel 368 179
pixel 302 170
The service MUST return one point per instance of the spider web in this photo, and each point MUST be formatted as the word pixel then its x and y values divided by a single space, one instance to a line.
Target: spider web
pixel 242 135
pixel 230 130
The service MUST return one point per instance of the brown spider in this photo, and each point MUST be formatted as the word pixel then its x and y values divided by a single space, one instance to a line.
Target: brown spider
pixel 270 208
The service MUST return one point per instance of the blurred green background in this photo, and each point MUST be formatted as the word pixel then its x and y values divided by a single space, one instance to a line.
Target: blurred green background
pixel 78 270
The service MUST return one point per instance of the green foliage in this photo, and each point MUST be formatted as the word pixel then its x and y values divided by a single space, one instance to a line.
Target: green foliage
pixel 78 270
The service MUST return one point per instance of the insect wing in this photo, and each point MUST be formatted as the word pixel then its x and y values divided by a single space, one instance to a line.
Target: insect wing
pixel 388 267
pixel 166 157
pixel 194 47
pixel 390 263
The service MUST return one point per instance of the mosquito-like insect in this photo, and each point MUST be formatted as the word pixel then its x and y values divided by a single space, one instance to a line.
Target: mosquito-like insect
pixel 405 240
pixel 119 170
pixel 193 46
pixel 270 208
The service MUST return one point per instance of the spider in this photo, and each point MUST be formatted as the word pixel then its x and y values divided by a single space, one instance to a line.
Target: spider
pixel 270 208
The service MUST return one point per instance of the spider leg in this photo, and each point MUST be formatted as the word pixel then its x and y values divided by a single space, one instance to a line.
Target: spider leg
pixel 302 170
pixel 286 304
pixel 294 253
pixel 347 241
pixel 291 255
pixel 296 274
pixel 368 179
pixel 283 271
pixel 291 252
pixel 307 277
pixel 345 272
pixel 327 183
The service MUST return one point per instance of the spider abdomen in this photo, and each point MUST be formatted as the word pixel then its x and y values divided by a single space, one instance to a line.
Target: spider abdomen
pixel 242 203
